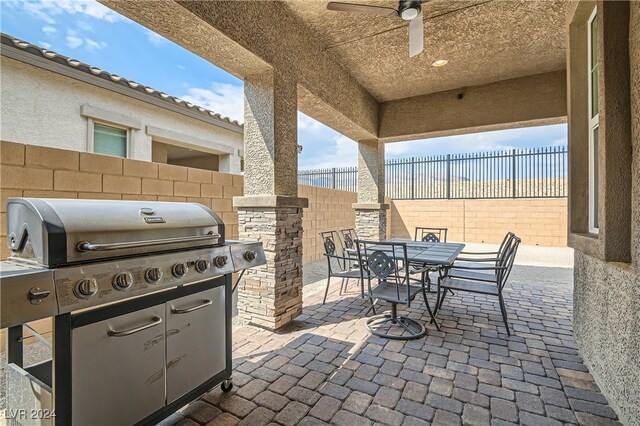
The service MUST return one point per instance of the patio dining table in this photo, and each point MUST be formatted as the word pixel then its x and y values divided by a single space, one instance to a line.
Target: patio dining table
pixel 427 253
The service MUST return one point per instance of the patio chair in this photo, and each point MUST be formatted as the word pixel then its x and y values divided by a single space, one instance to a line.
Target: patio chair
pixel 348 236
pixel 486 256
pixel 482 276
pixel 338 266
pixel 433 235
pixel 387 265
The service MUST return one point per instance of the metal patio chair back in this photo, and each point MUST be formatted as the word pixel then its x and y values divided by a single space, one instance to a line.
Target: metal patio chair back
pixel 385 268
pixel 430 234
pixel 485 275
pixel 339 265
pixel 348 238
pixel 506 261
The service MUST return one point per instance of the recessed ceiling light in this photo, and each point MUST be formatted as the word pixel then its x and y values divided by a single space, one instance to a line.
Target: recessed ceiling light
pixel 439 63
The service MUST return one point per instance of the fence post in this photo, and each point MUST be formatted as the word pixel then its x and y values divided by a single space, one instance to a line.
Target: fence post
pixel 513 173
pixel 413 178
pixel 448 164
pixel 334 178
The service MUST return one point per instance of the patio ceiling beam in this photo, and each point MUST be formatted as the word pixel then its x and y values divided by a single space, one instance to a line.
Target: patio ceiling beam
pixel 246 38
pixel 528 101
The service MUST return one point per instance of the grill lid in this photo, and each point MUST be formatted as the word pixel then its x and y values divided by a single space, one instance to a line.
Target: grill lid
pixel 55 232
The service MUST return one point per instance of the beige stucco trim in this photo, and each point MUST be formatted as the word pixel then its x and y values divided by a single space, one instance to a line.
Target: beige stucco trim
pixel 528 101
pixel 110 117
pixel 179 139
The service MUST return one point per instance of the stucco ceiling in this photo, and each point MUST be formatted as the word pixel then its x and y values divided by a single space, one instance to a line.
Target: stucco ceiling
pixel 484 41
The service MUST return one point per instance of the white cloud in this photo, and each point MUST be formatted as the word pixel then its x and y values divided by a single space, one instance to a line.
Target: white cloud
pixel 49 30
pixel 342 152
pixel 47 10
pixel 223 98
pixel 38 10
pixel 307 123
pixel 93 45
pixel 44 44
pixel 182 67
pixel 73 42
pixel 155 39
pixel 84 26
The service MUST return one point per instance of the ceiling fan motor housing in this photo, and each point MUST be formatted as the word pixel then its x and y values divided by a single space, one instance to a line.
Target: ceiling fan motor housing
pixel 409 9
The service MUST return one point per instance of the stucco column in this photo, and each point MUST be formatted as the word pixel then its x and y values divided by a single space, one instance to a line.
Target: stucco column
pixel 270 210
pixel 371 211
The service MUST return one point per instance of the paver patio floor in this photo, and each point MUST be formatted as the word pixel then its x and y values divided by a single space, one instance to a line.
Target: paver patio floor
pixel 326 368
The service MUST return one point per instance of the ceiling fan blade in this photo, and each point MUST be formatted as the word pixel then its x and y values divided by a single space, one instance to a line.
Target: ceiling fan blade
pixel 362 8
pixel 416 35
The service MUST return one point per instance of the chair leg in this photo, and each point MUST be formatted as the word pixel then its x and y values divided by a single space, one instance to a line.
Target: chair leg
pixel 431 313
pixel 326 291
pixel 341 287
pixel 503 308
pixel 372 307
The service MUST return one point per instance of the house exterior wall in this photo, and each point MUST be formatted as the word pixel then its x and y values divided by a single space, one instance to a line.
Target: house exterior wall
pixel 540 222
pixel 607 290
pixel 40 107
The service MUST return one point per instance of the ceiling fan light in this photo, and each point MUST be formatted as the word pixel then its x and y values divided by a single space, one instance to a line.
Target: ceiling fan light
pixel 409 13
pixel 439 63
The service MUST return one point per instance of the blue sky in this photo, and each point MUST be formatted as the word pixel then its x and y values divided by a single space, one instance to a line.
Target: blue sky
pixel 92 33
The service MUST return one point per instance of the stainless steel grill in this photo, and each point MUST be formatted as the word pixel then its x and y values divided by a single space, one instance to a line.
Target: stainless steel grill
pixel 145 282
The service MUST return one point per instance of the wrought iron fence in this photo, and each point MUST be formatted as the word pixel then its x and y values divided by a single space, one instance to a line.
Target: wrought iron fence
pixel 516 173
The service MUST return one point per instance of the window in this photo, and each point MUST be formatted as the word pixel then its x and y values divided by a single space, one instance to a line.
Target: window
pixel 109 140
pixel 593 122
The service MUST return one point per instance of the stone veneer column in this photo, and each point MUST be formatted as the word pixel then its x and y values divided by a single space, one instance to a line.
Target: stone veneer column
pixel 270 210
pixel 371 211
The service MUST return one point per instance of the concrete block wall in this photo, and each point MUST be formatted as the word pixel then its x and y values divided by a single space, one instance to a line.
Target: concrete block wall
pixel 540 222
pixel 329 209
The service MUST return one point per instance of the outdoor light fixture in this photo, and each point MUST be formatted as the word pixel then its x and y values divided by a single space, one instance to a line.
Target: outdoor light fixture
pixel 299 149
pixel 439 63
pixel 409 9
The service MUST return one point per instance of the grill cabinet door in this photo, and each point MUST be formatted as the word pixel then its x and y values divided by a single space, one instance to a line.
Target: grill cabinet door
pixel 118 380
pixel 195 340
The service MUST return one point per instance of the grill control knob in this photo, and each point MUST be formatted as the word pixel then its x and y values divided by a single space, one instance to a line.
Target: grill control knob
pixel 249 255
pixel 86 288
pixel 202 265
pixel 220 261
pixel 153 275
pixel 179 270
pixel 123 281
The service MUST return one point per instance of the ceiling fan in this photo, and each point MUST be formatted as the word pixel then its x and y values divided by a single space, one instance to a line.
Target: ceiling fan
pixel 408 10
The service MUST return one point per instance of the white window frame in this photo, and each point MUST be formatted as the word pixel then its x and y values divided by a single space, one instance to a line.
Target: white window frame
pixel 594 124
pixel 91 134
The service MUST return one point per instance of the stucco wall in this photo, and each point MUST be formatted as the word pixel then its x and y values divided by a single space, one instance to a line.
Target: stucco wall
pixel 607 294
pixel 40 107
pixel 540 222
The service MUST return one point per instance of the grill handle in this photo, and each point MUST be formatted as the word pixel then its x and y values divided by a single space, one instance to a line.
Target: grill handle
pixel 84 246
pixel 155 321
pixel 204 304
